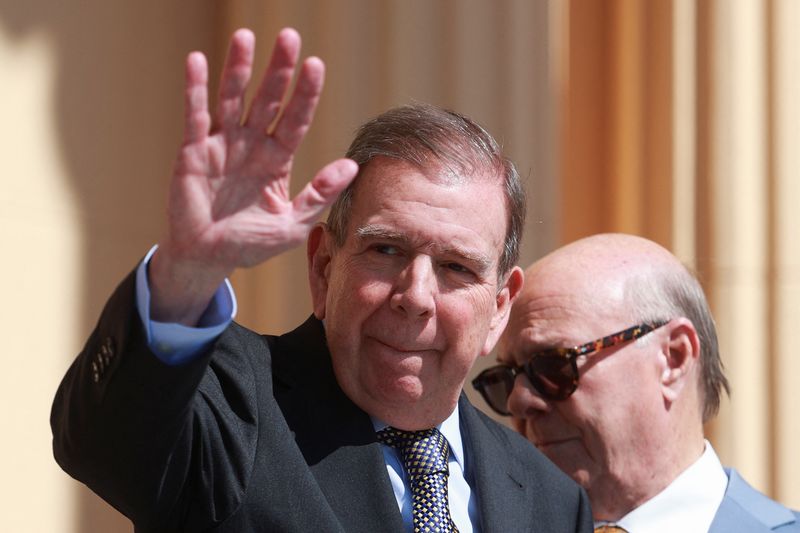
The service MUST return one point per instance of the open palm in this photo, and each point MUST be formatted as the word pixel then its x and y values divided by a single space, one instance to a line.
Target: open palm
pixel 229 203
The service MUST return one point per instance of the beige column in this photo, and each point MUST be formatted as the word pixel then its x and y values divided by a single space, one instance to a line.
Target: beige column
pixel 737 256
pixel 784 279
pixel 617 112
pixel 684 116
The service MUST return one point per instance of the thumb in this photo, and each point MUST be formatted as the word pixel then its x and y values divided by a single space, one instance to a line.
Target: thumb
pixel 323 190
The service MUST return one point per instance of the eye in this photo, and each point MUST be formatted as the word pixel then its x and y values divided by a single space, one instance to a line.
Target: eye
pixel 386 249
pixel 457 268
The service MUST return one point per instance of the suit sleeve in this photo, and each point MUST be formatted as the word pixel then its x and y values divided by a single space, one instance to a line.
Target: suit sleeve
pixel 171 447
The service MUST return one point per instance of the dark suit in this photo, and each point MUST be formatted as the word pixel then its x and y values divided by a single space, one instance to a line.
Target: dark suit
pixel 258 436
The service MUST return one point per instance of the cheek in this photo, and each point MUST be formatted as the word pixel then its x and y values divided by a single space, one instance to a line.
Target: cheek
pixel 463 330
pixel 469 314
pixel 577 418
pixel 603 419
pixel 353 290
pixel 465 333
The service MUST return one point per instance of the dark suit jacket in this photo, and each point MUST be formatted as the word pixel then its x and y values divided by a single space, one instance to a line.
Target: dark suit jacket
pixel 745 510
pixel 257 436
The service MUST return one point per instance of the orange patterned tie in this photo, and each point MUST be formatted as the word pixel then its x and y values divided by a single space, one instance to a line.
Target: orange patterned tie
pixel 607 528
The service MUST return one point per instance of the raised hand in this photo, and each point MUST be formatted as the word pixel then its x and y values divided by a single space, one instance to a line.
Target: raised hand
pixel 229 203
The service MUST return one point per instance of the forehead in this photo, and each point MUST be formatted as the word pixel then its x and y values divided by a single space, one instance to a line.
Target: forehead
pixel 387 175
pixel 433 203
pixel 547 321
pixel 561 309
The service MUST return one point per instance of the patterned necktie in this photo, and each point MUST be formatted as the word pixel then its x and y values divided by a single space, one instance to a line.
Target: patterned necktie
pixel 424 455
pixel 609 529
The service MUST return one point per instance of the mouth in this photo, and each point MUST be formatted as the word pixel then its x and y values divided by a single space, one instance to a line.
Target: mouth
pixel 403 348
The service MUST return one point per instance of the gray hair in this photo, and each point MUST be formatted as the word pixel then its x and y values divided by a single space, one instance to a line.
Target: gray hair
pixel 677 293
pixel 425 135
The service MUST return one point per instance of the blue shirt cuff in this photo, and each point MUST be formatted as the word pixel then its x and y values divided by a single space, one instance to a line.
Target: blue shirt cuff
pixel 173 343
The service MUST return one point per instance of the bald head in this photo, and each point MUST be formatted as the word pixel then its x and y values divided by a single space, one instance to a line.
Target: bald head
pixel 630 278
pixel 601 271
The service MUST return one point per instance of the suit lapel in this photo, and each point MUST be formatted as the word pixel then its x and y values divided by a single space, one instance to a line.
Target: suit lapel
pixel 335 436
pixel 745 509
pixel 732 518
pixel 490 471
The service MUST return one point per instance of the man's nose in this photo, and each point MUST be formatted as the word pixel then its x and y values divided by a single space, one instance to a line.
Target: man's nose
pixel 416 288
pixel 525 401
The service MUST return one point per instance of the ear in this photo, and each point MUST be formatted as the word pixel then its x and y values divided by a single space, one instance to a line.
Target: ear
pixel 318 254
pixel 682 349
pixel 508 292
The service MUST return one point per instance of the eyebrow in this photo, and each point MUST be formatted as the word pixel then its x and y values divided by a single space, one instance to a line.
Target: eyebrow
pixel 372 231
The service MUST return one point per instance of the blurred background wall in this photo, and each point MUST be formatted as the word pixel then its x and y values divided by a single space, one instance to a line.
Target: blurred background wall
pixel 674 119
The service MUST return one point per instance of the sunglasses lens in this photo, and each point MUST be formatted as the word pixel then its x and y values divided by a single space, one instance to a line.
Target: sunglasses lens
pixel 495 385
pixel 553 376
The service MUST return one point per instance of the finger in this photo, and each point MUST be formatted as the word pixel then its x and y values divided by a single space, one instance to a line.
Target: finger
pixel 196 118
pixel 277 77
pixel 235 77
pixel 299 111
pixel 323 190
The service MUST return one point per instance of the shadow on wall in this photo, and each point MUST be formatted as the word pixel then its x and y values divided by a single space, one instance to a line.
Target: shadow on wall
pixel 117 101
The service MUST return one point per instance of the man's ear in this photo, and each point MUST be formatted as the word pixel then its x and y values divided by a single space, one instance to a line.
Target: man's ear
pixel 508 292
pixel 318 254
pixel 682 349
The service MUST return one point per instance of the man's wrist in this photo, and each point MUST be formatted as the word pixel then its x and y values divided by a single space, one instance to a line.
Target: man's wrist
pixel 174 343
pixel 181 290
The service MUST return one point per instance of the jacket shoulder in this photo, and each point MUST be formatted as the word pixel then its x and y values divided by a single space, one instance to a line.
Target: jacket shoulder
pixel 746 509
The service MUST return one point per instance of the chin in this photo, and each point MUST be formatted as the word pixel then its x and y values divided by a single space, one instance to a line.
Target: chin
pixel 405 391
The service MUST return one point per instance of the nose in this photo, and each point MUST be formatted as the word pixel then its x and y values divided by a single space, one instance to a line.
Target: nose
pixel 414 294
pixel 524 401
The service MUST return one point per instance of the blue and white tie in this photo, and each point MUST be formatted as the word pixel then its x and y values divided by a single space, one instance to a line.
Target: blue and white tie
pixel 424 455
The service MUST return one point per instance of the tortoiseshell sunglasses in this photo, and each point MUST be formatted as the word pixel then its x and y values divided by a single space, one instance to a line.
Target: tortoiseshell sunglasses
pixel 553 372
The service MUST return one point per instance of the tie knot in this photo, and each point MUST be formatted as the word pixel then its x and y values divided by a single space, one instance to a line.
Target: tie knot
pixel 422 452
pixel 608 528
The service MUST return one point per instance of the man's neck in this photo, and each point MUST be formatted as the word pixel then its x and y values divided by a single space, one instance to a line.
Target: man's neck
pixel 618 495
pixel 689 503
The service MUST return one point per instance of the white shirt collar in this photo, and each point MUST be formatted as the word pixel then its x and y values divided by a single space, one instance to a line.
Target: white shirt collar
pixel 688 504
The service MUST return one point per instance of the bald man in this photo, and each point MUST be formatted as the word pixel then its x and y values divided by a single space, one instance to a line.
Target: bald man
pixel 623 414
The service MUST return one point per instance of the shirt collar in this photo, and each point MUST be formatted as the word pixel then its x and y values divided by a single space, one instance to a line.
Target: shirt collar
pixel 689 503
